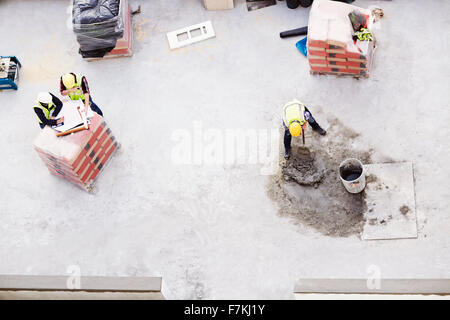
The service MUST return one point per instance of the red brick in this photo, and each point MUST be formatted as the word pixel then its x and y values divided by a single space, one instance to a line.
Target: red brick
pixel 103 161
pixel 357 60
pixel 317 43
pixel 336 59
pixel 355 55
pixel 318 61
pixel 348 63
pixel 318 53
pixel 337 43
pixel 310 48
pixel 88 172
pixel 335 66
pixel 321 69
pixel 337 55
pixel 105 134
pixel 110 151
pixel 318 65
pixel 316 57
pixel 339 51
pixel 81 156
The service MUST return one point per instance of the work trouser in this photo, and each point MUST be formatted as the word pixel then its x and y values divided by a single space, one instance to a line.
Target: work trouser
pixel 287 135
pixel 95 107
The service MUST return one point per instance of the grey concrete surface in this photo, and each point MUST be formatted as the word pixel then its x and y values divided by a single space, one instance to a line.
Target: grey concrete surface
pixel 210 230
pixel 390 286
pixel 391 206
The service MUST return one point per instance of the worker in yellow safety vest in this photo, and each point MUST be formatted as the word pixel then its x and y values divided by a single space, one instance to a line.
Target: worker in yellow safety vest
pixel 295 116
pixel 77 88
pixel 47 108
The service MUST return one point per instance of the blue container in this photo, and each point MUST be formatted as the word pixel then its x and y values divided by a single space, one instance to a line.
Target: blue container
pixel 301 46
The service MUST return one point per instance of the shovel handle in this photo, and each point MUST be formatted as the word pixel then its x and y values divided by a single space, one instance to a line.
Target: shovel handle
pixel 303 136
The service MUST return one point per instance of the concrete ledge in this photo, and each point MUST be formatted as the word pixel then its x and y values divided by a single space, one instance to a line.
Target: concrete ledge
pixel 56 287
pixel 387 286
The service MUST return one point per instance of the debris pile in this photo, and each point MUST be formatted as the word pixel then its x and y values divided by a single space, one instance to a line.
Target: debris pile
pixel 339 39
pixel 78 157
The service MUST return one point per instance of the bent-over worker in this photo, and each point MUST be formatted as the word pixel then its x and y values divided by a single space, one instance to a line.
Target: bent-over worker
pixel 76 87
pixel 47 108
pixel 295 116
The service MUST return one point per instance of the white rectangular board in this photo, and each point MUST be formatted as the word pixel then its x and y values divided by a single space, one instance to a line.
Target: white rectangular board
pixel 71 116
pixel 189 35
pixel 391 208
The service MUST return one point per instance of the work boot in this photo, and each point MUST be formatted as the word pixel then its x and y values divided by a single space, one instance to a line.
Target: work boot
pixel 287 153
pixel 320 131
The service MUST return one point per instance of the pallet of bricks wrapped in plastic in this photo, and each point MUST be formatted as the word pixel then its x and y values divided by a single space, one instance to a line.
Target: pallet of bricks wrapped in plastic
pixel 79 157
pixel 334 47
pixel 103 28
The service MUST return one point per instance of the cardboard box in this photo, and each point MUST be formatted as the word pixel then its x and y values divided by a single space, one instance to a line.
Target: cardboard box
pixel 218 4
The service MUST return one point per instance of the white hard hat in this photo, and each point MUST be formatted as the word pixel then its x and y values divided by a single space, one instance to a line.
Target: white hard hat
pixel 44 97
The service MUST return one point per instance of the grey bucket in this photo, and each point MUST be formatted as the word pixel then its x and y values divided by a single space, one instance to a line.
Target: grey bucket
pixel 351 172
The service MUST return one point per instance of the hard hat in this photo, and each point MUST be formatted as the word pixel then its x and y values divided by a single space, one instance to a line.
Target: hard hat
pixel 295 129
pixel 68 80
pixel 44 97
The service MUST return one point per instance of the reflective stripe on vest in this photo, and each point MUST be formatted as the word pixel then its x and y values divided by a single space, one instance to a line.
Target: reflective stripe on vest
pixel 78 94
pixel 294 111
pixel 46 111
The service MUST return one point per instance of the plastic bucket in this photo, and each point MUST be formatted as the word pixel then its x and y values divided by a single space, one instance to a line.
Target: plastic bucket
pixel 351 172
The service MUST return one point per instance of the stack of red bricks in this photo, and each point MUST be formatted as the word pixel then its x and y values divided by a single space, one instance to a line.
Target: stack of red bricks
pixel 79 157
pixel 331 48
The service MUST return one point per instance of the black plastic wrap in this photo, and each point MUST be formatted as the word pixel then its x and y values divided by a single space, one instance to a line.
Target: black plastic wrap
pixel 97 24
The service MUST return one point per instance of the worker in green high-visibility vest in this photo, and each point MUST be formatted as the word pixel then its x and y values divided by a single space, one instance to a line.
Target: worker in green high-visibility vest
pixel 47 109
pixel 76 87
pixel 295 117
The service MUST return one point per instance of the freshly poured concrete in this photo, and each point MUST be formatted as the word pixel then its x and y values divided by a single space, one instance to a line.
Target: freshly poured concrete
pixel 210 230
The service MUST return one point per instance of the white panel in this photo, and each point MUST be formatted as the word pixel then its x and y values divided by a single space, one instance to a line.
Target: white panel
pixel 391 209
pixel 189 35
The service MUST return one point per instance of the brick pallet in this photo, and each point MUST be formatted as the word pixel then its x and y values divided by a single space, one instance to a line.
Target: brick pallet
pixel 79 157
pixel 124 45
pixel 331 49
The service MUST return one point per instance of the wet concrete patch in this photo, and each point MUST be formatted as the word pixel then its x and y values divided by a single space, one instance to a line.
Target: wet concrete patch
pixel 308 188
pixel 304 168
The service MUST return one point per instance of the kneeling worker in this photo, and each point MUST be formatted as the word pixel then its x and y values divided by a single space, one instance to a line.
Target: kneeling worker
pixel 295 115
pixel 48 104
pixel 76 87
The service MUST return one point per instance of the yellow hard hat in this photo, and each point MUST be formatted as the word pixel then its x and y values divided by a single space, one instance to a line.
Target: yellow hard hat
pixel 295 129
pixel 68 80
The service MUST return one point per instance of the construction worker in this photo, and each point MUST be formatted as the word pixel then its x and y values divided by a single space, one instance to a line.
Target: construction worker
pixel 76 87
pixel 47 108
pixel 295 116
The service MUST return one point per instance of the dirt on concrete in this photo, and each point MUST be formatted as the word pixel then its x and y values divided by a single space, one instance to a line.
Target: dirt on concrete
pixel 404 210
pixel 308 188
pixel 304 168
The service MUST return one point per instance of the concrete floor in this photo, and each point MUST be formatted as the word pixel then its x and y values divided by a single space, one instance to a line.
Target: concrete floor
pixel 210 230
